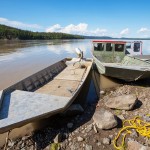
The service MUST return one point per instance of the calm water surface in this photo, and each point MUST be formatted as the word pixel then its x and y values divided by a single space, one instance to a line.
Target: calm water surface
pixel 19 59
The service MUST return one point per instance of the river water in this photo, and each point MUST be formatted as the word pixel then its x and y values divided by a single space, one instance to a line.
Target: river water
pixel 19 59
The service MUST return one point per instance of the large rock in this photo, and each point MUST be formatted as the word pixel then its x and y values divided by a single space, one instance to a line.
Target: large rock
pixel 104 119
pixel 125 102
pixel 134 145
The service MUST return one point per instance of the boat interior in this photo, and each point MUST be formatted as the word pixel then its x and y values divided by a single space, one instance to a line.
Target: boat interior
pixel 42 94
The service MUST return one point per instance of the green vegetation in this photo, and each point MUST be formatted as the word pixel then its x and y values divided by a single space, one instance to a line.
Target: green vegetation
pixel 9 33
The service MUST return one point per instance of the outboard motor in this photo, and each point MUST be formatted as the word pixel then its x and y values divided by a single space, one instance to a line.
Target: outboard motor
pixel 80 56
pixel 79 53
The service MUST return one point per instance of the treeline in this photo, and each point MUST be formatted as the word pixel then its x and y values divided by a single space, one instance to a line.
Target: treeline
pixel 7 32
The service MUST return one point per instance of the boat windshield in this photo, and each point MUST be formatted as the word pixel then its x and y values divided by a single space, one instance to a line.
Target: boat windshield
pixel 98 46
pixel 108 47
pixel 136 47
pixel 119 47
pixel 128 45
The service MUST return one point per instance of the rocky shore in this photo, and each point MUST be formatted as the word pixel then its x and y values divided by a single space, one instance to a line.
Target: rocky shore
pixel 96 126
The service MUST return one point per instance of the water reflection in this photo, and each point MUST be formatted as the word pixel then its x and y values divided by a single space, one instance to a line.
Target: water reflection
pixel 69 48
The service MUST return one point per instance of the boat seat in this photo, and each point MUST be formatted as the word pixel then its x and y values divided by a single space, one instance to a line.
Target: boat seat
pixel 21 107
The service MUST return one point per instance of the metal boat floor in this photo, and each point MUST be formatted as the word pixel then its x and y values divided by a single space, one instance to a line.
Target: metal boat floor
pixel 73 73
pixel 20 107
pixel 65 83
pixel 60 88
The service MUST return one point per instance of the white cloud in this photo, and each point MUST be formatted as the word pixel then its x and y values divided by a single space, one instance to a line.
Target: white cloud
pixel 81 28
pixel 143 30
pixel 54 28
pixel 76 29
pixel 124 31
pixel 18 24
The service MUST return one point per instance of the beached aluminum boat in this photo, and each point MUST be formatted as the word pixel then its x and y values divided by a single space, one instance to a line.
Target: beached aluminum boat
pixel 43 94
pixel 116 59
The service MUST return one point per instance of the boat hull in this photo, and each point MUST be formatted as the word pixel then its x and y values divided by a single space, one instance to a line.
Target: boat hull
pixel 126 74
pixel 42 94
pixel 130 72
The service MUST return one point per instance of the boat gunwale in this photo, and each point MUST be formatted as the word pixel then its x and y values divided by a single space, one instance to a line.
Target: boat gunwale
pixel 11 87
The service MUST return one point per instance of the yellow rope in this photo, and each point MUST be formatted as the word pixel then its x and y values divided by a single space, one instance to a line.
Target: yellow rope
pixel 143 128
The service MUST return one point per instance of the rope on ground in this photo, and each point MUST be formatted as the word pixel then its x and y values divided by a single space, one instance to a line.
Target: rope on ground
pixel 141 127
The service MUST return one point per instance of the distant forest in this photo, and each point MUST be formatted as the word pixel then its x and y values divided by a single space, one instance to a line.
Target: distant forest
pixel 10 33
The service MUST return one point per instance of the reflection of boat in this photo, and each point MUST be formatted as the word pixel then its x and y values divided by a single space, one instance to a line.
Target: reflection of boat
pixel 45 93
pixel 111 60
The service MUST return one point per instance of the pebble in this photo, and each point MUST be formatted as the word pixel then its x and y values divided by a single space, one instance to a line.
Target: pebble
pixel 22 145
pixel 123 112
pixel 134 133
pixel 89 128
pixel 147 141
pixel 102 92
pixel 23 138
pixel 85 135
pixel 95 140
pixel 130 139
pixel 134 145
pixel 11 144
pixel 76 131
pixel 99 144
pixel 72 147
pixel 94 127
pixel 106 141
pixel 88 147
pixel 80 139
pixel 121 117
pixel 110 136
pixel 146 118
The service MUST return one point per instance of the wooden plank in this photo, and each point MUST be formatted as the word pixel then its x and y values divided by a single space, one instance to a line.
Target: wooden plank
pixel 20 107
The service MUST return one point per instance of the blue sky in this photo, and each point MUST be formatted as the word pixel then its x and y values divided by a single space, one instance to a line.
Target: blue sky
pixel 117 18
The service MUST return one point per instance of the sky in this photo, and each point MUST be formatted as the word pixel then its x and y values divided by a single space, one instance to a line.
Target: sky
pixel 115 18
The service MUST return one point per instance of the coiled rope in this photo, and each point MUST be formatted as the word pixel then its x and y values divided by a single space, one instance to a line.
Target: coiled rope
pixel 141 127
